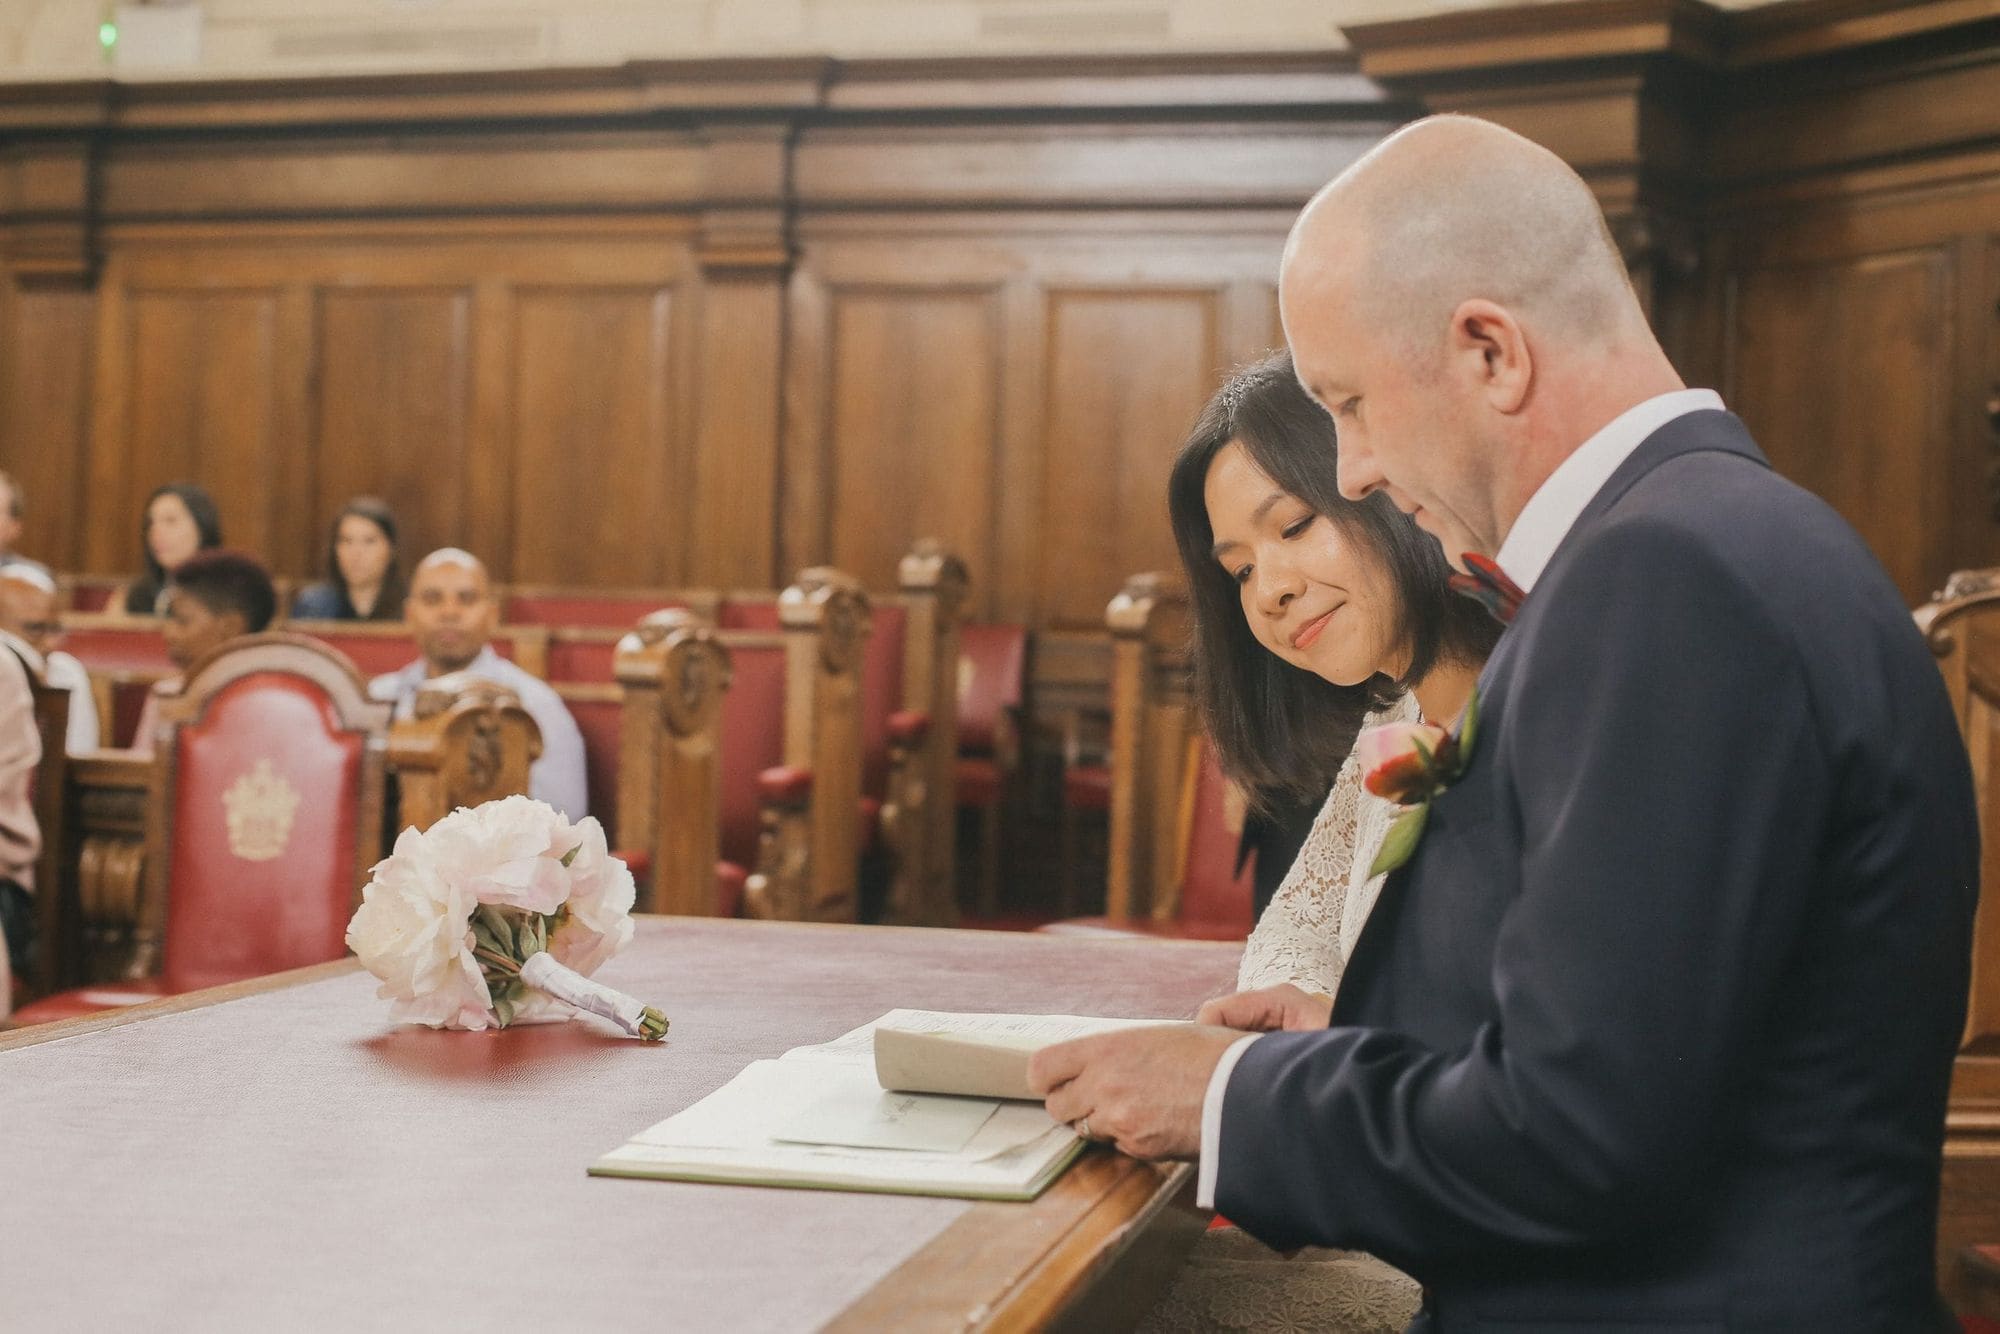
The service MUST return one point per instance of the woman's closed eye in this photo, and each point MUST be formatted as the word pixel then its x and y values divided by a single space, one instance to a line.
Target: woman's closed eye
pixel 1242 573
pixel 1297 528
pixel 1346 406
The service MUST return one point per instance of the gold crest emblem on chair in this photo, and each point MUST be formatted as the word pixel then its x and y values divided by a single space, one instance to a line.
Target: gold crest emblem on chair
pixel 260 806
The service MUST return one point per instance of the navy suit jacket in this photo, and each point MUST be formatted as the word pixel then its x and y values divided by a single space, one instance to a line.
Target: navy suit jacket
pixel 1655 1029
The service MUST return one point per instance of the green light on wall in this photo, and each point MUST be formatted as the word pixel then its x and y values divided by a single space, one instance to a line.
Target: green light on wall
pixel 107 36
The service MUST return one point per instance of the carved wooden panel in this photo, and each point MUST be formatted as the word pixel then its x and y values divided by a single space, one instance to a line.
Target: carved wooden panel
pixel 202 403
pixel 1867 432
pixel 1127 373
pixel 44 389
pixel 394 367
pixel 592 449
pixel 911 435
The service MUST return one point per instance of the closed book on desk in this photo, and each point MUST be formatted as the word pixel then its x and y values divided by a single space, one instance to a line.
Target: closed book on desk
pixel 819 1118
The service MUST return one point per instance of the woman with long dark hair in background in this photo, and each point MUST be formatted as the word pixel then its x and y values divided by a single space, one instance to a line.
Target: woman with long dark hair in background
pixel 180 519
pixel 364 568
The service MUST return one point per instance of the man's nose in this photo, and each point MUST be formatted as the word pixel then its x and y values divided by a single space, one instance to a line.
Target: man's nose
pixel 1356 471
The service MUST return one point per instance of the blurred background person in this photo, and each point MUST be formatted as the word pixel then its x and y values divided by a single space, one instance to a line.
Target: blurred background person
pixel 28 611
pixel 211 598
pixel 20 835
pixel 180 519
pixel 451 612
pixel 11 509
pixel 364 568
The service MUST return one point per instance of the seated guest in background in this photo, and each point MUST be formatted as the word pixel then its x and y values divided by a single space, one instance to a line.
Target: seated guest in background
pixel 364 568
pixel 451 612
pixel 180 519
pixel 11 507
pixel 211 598
pixel 20 836
pixel 28 610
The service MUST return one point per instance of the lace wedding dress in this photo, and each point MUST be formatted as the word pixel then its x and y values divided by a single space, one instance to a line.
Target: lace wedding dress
pixel 1230 1281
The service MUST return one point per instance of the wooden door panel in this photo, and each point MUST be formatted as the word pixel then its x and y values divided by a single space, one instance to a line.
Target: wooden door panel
pixel 393 369
pixel 1127 373
pixel 912 410
pixel 1843 371
pixel 44 419
pixel 592 446
pixel 203 394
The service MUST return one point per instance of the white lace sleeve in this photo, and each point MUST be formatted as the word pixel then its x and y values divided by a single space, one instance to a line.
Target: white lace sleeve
pixel 1312 922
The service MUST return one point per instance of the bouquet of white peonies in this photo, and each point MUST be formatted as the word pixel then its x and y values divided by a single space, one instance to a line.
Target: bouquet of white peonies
pixel 497 915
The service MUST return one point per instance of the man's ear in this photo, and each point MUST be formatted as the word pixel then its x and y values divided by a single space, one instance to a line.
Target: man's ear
pixel 235 623
pixel 1487 337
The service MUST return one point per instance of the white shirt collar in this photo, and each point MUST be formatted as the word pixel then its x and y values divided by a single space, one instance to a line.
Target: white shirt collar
pixel 1554 508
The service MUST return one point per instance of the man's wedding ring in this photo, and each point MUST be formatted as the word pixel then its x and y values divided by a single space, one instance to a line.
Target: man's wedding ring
pixel 1083 1127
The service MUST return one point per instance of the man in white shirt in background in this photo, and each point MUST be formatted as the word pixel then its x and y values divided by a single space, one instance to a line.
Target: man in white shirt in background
pixel 451 612
pixel 28 609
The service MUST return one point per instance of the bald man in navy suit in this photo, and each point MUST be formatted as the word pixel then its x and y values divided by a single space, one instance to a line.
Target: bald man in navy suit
pixel 1654 1029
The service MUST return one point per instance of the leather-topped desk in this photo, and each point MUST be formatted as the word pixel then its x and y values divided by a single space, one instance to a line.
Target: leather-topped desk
pixel 279 1155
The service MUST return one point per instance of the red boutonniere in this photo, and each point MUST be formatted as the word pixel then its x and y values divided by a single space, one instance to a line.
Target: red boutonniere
pixel 1409 763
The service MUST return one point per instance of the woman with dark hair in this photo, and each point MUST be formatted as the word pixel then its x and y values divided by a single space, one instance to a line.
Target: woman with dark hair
pixel 1314 617
pixel 179 519
pixel 364 568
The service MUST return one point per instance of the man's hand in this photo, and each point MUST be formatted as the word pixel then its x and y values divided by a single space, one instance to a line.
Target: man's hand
pixel 1139 1088
pixel 1269 1009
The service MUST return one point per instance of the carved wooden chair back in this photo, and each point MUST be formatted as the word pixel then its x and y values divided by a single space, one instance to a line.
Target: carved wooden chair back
pixel 467 741
pixel 1150 725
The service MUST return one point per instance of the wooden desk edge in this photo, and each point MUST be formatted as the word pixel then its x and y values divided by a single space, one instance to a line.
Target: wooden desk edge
pixel 1047 1254
pixel 34 1034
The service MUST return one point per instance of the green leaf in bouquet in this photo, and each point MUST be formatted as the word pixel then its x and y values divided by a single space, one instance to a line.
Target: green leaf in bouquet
pixel 503 1010
pixel 570 857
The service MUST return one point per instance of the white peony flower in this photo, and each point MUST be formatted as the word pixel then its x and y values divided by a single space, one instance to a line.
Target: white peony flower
pixel 411 931
pixel 600 904
pixel 506 852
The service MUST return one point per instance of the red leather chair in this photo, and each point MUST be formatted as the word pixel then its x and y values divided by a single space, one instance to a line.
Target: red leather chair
pixel 265 822
pixel 752 758
pixel 1086 794
pixel 1215 892
pixel 993 665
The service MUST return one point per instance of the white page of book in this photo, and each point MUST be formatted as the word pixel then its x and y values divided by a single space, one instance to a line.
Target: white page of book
pixel 866 1117
pixel 731 1134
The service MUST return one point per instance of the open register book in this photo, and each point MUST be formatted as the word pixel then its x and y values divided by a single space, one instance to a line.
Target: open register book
pixel 874 1110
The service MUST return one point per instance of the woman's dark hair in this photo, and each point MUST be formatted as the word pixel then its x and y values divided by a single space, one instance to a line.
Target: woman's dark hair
pixel 1279 729
pixel 389 601
pixel 142 598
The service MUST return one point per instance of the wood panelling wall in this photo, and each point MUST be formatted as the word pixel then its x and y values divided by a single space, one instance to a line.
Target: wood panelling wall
pixel 698 324
pixel 713 321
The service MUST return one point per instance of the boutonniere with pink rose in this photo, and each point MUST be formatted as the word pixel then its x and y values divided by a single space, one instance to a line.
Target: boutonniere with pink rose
pixel 1410 763
pixel 497 915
